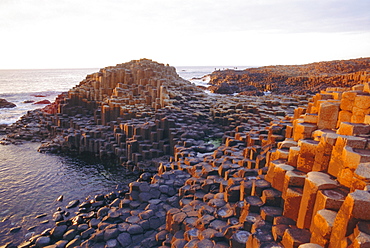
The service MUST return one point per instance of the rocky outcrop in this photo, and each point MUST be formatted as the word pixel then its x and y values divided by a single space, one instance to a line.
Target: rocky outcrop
pixel 5 104
pixel 138 111
pixel 42 102
pixel 289 172
pixel 292 79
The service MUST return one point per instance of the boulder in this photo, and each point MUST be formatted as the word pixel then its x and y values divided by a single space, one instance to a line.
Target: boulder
pixel 5 104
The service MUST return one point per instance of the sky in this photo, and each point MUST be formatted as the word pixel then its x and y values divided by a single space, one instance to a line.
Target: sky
pixel 98 33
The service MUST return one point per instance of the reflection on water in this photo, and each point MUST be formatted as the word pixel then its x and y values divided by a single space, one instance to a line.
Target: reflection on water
pixel 30 183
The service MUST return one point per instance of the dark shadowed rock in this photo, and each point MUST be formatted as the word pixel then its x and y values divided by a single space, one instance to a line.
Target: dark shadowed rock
pixel 43 241
pixel 57 216
pixel 5 104
pixel 58 231
pixel 111 234
pixel 73 204
pixel 124 239
pixel 135 229
pixel 69 235
pixel 87 233
pixel 15 229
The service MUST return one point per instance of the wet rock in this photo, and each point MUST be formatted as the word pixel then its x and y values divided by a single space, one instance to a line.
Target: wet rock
pixel 5 104
pixel 43 241
pixel 87 233
pixel 74 242
pixel 15 229
pixel 102 212
pixel 43 102
pixel 46 232
pixel 58 231
pixel 85 205
pixel 97 236
pixel 57 216
pixel 94 223
pixel 61 243
pixel 70 234
pixel 115 203
pixel 73 204
pixel 99 197
pixel 97 204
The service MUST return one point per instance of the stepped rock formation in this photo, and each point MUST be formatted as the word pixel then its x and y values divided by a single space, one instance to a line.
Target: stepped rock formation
pixel 290 172
pixel 292 79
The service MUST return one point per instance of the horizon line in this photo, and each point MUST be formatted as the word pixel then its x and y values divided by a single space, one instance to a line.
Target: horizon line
pixel 250 66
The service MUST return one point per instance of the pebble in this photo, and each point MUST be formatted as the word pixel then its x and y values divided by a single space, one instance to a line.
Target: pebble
pixel 43 241
pixel 73 204
pixel 57 216
pixel 58 231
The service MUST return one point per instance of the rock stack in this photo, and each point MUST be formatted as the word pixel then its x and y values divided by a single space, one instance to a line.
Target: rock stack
pixel 290 172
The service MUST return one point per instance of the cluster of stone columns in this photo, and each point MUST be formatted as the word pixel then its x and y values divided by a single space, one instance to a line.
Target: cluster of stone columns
pixel 326 150
pixel 289 172
pixel 139 110
pixel 293 184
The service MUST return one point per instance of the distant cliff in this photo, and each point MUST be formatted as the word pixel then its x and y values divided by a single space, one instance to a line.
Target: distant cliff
pixel 292 79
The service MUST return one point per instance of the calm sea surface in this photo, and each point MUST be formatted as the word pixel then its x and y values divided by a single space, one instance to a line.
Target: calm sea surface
pixel 30 182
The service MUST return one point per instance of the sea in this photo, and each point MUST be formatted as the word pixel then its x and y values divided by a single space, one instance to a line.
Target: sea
pixel 30 182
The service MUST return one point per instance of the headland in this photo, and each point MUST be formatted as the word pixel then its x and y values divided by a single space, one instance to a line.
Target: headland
pixel 291 79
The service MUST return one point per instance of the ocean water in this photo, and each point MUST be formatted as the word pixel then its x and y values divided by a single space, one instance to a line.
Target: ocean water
pixel 30 182
pixel 199 74
pixel 18 86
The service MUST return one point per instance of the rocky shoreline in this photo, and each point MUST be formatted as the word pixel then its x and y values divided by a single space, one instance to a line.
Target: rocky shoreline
pixel 291 171
pixel 291 79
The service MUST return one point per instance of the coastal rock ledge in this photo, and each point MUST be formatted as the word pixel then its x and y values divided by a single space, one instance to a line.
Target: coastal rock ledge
pixel 5 104
pixel 291 171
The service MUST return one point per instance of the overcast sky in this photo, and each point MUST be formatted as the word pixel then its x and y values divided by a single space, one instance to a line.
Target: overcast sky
pixel 99 33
